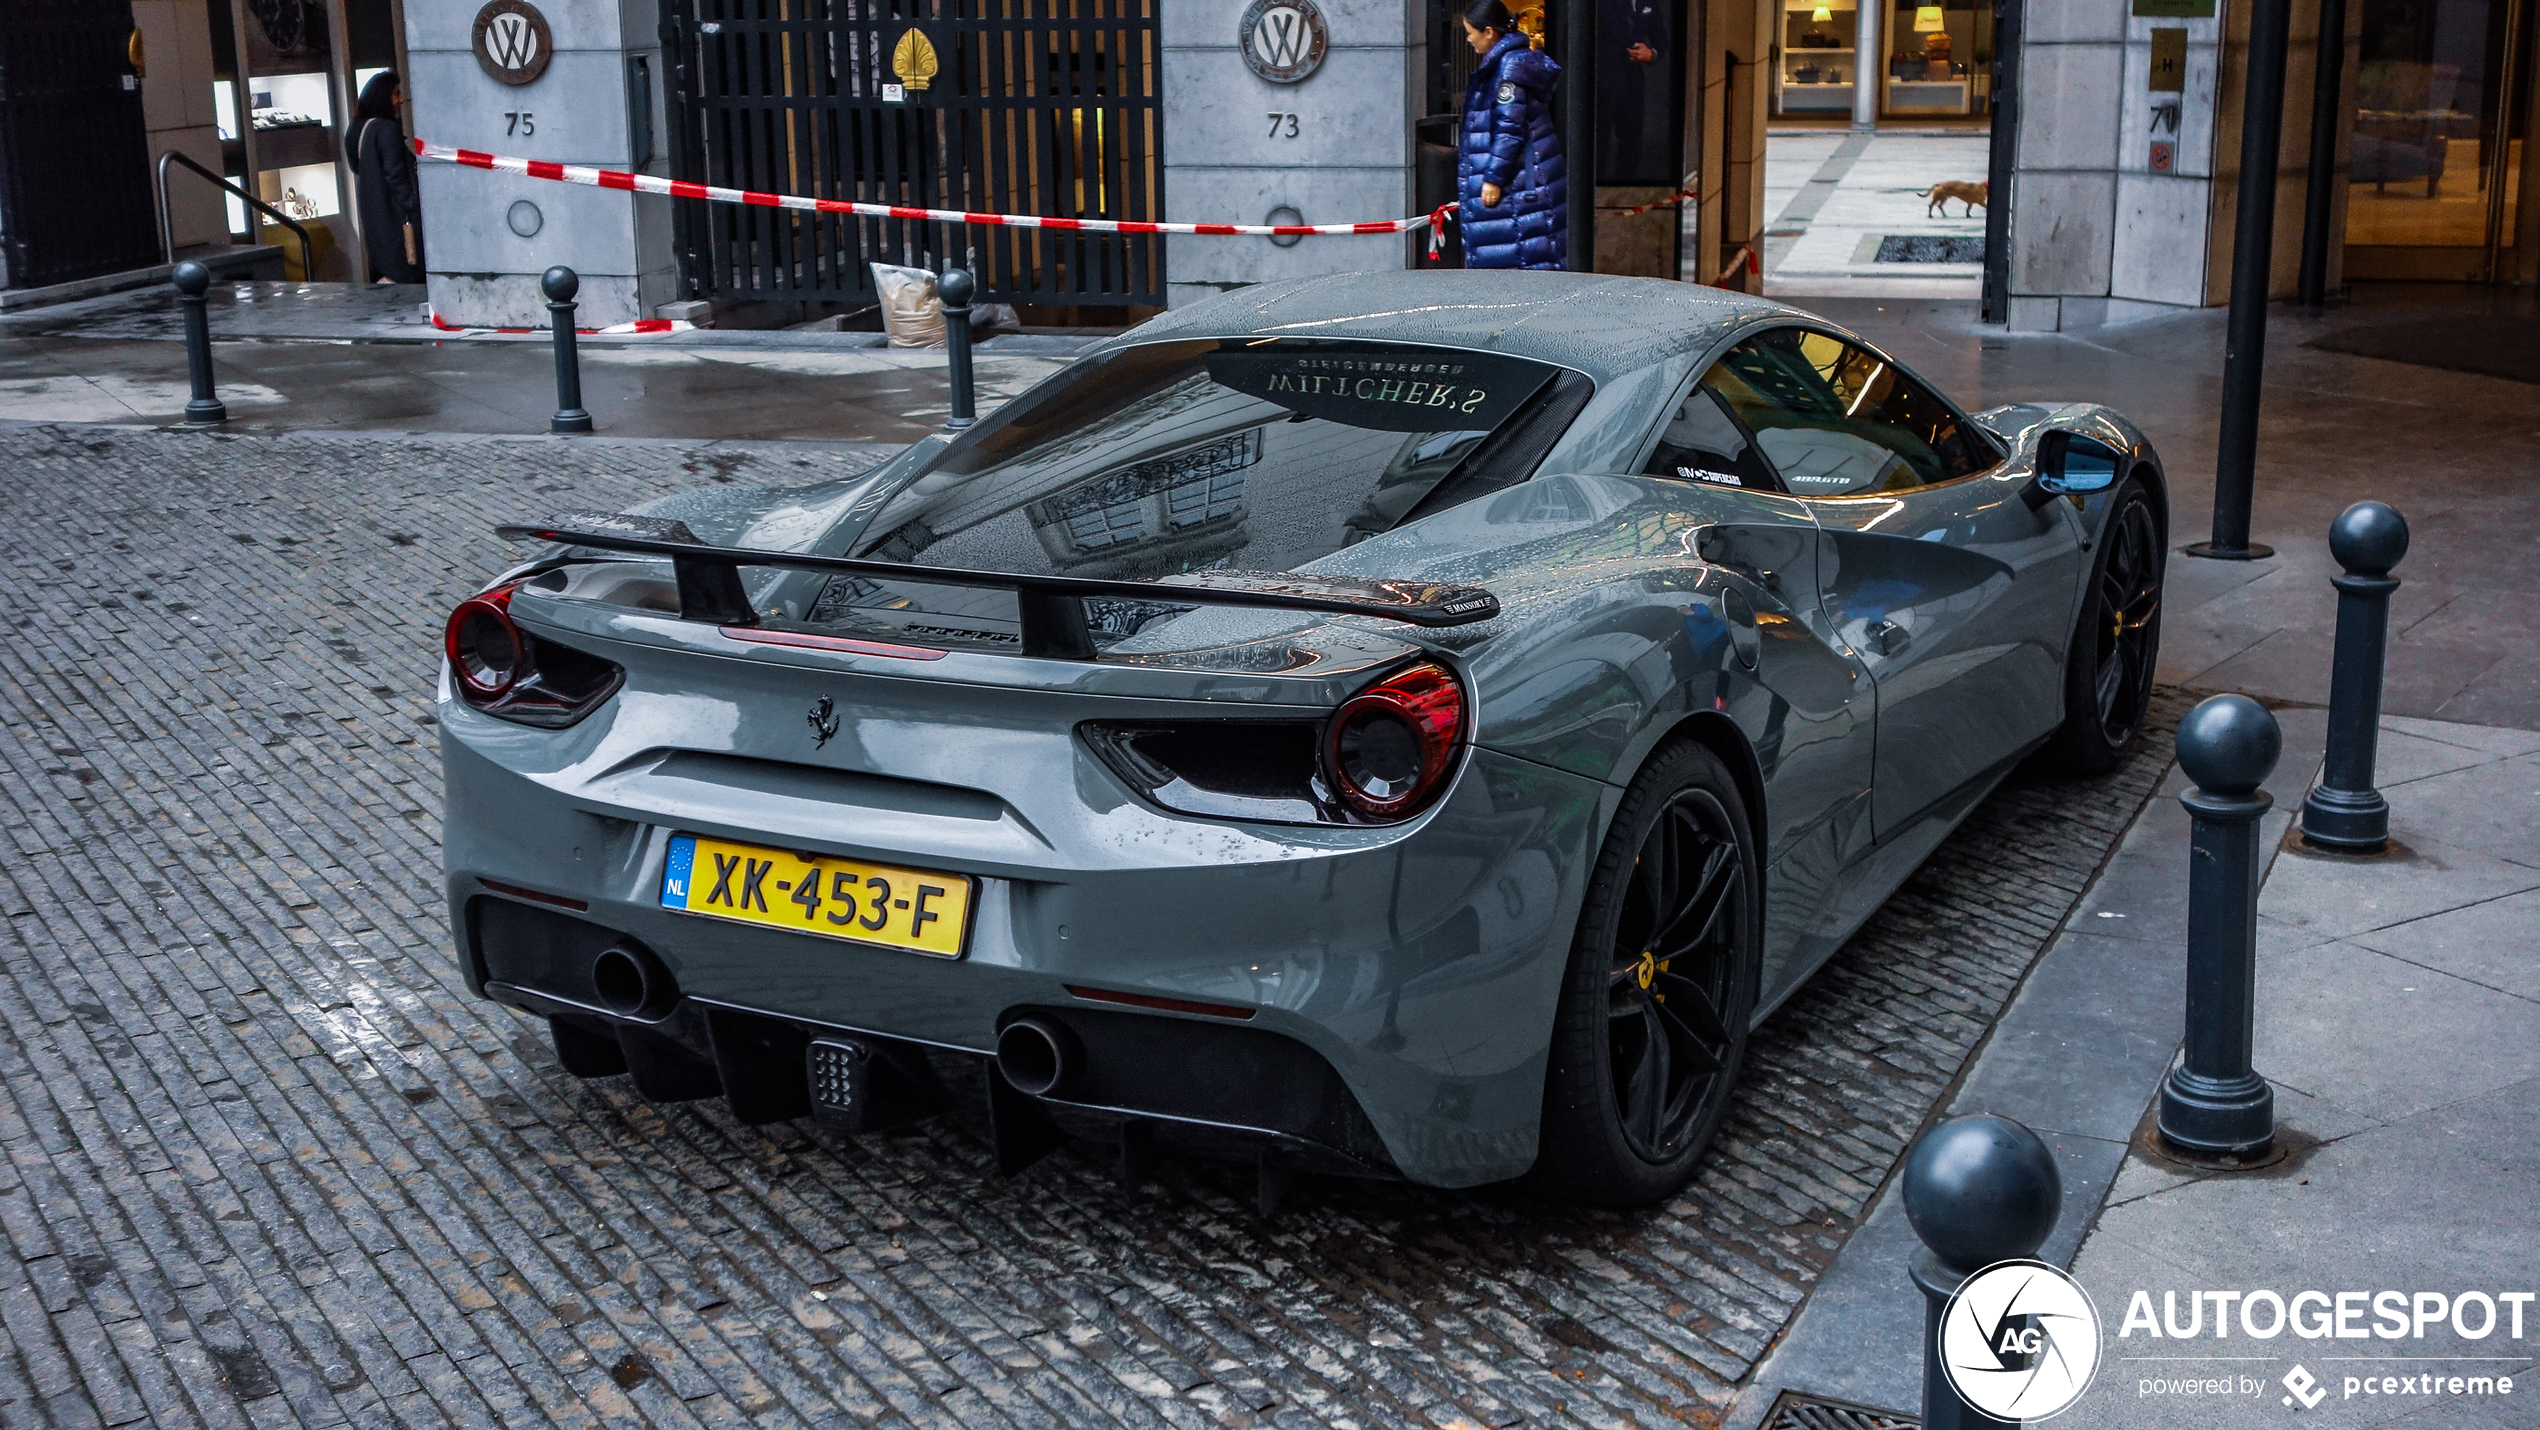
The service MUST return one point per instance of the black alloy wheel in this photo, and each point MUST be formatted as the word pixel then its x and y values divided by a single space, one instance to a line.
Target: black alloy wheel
pixel 2126 636
pixel 1661 985
pixel 1665 1042
pixel 2116 648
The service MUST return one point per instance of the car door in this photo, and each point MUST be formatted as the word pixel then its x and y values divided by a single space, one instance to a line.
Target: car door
pixel 1814 735
pixel 1952 592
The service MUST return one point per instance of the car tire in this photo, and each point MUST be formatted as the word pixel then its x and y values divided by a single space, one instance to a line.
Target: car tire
pixel 2116 649
pixel 1655 1003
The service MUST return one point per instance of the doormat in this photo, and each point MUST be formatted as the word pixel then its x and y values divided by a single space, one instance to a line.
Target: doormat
pixel 2491 345
pixel 1930 248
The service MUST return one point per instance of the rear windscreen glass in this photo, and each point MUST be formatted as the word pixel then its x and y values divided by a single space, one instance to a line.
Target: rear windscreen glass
pixel 1252 454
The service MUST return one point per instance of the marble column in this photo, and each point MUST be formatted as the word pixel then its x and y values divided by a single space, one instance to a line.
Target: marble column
pixel 487 236
pixel 1869 61
pixel 1334 147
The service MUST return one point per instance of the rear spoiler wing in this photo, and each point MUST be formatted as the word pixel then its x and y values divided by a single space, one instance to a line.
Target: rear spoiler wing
pixel 1052 607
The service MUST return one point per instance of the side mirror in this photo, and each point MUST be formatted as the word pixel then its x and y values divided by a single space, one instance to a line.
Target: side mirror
pixel 2069 464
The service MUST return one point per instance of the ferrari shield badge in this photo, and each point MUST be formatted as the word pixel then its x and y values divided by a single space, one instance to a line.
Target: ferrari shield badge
pixel 1283 40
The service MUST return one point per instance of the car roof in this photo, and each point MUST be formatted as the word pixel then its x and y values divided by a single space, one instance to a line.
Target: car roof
pixel 1602 325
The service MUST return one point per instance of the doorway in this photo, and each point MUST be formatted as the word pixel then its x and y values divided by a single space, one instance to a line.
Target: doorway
pixel 2441 114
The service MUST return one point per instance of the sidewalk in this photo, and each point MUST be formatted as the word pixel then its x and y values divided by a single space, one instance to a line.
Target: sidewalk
pixel 1849 217
pixel 301 357
pixel 2399 1019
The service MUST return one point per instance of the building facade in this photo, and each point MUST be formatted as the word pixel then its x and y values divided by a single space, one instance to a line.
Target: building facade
pixel 2127 151
pixel 2119 160
pixel 1206 111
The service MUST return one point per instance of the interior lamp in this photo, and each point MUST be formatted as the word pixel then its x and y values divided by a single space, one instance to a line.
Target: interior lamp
pixel 1821 13
pixel 1927 17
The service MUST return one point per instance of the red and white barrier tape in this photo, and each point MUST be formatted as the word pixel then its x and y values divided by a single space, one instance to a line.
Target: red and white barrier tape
pixel 1679 196
pixel 638 327
pixel 682 189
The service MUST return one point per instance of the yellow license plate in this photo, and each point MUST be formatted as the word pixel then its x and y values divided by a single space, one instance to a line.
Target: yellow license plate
pixel 919 910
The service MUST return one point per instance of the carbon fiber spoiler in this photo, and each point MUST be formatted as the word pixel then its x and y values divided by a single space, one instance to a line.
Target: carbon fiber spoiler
pixel 1052 607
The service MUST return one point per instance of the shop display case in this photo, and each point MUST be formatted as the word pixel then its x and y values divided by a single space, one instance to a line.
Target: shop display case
pixel 1819 61
pixel 1937 58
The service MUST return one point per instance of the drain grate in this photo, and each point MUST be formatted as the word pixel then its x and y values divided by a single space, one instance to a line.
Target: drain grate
pixel 1930 248
pixel 1806 1412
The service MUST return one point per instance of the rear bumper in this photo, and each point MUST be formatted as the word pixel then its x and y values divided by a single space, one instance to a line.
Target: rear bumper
pixel 1419 967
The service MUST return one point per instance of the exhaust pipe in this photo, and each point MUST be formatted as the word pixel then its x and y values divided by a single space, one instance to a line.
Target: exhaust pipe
pixel 631 983
pixel 1037 1055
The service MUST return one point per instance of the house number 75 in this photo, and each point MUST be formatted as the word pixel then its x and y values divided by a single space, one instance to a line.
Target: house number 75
pixel 1282 126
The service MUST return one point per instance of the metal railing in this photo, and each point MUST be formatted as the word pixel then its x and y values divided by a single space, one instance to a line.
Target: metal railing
pixel 167 228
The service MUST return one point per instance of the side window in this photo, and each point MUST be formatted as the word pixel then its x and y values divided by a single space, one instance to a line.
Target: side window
pixel 1839 420
pixel 1703 443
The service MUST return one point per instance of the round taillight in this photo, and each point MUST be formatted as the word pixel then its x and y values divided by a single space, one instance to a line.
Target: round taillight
pixel 1390 747
pixel 487 652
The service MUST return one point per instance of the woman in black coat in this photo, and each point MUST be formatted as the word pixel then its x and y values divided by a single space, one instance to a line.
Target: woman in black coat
pixel 384 182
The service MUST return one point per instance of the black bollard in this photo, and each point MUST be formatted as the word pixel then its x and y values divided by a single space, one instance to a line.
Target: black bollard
pixel 1978 1190
pixel 2213 1104
pixel 2345 812
pixel 956 288
pixel 193 280
pixel 560 284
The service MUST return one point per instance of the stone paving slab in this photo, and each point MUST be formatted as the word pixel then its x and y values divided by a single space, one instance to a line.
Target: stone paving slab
pixel 262 1163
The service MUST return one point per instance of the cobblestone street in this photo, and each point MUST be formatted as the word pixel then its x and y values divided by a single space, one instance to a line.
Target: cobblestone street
pixel 266 1164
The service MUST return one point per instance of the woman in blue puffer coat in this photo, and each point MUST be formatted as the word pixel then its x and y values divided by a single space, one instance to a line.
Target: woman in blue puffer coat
pixel 1514 197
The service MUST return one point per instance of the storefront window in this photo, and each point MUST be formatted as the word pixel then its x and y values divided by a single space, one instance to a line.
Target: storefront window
pixel 2430 127
pixel 1936 61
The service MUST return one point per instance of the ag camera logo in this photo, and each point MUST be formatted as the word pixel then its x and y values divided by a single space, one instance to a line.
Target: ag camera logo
pixel 2019 1341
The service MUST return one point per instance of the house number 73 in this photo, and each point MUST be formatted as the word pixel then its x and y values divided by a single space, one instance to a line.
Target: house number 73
pixel 1282 126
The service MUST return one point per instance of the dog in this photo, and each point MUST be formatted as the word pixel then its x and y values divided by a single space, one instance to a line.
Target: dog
pixel 1974 196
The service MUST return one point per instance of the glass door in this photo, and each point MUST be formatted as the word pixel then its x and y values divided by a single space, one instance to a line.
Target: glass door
pixel 2441 115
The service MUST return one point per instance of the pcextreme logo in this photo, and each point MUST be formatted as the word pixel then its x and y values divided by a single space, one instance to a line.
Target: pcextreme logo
pixel 2305 1388
pixel 2019 1341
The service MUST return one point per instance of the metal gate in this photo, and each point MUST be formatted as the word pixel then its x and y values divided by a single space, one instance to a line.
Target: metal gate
pixel 74 157
pixel 988 106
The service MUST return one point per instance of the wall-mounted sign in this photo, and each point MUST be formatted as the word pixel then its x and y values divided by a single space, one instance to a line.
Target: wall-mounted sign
pixel 512 41
pixel 913 59
pixel 2169 60
pixel 1283 40
pixel 2175 9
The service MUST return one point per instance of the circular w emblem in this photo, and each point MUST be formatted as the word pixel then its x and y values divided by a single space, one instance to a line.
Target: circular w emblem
pixel 512 41
pixel 1283 40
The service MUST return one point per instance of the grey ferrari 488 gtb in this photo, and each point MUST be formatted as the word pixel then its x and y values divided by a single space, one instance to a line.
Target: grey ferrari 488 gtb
pixel 1398 725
